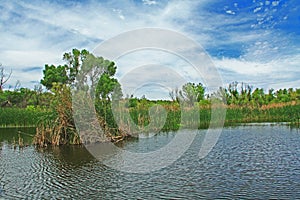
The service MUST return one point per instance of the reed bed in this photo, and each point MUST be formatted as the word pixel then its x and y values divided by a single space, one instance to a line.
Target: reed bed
pixel 286 113
pixel 19 117
pixel 57 129
pixel 201 117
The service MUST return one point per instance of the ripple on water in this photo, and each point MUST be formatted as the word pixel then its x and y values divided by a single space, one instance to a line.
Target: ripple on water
pixel 251 162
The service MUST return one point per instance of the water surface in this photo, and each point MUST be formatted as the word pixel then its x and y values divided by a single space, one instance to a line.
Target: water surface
pixel 249 162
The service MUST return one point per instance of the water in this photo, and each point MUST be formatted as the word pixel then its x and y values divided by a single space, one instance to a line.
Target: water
pixel 248 162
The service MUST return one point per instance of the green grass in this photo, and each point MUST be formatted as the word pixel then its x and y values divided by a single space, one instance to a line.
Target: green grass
pixel 30 117
pixel 19 117
pixel 288 113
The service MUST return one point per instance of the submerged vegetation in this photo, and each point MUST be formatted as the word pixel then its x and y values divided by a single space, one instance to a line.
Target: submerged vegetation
pixel 51 111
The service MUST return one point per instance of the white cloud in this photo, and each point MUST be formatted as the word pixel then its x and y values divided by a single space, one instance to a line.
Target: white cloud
pixel 39 32
pixel 230 12
pixel 149 2
pixel 257 9
pixel 24 79
pixel 21 59
pixel 275 3
pixel 277 73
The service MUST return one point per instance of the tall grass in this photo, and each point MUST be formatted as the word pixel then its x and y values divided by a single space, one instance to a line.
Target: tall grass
pixel 59 127
pixel 176 117
pixel 287 113
pixel 19 117
pixel 187 117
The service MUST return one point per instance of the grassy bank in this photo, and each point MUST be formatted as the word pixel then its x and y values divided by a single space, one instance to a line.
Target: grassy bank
pixel 30 117
pixel 274 113
pixel 200 117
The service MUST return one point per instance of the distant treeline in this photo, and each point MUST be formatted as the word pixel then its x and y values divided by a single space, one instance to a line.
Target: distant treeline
pixel 244 94
pixel 239 94
pixel 24 97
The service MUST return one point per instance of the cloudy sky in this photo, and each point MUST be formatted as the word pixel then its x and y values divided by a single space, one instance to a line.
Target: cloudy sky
pixel 254 41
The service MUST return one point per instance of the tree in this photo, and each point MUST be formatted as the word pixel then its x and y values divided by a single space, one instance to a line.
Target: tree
pixel 245 96
pixel 192 93
pixel 75 62
pixel 104 88
pixel 221 94
pixel 270 96
pixel 80 73
pixel 258 97
pixel 3 77
pixel 174 95
pixel 297 92
pixel 53 74
pixel 64 74
pixel 233 93
pixel 282 95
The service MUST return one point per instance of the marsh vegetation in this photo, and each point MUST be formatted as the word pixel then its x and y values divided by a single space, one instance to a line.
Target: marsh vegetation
pixel 51 110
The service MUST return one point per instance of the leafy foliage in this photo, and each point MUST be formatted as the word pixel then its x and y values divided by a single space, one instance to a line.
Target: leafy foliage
pixel 80 69
pixel 25 97
pixel 192 93
pixel 242 94
pixel 53 74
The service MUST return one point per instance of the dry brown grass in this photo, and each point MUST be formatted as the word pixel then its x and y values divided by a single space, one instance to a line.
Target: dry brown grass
pixel 278 105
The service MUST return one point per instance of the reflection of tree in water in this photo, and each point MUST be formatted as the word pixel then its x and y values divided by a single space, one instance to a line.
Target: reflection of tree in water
pixel 69 156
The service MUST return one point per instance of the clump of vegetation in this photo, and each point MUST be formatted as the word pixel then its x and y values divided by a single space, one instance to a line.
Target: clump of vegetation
pixel 58 126
pixel 81 67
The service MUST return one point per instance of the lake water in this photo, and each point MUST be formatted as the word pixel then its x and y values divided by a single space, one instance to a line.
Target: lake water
pixel 249 162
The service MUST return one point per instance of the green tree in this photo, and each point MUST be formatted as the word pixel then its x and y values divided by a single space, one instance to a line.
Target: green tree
pixel 64 74
pixel 270 96
pixel 297 93
pixel 233 93
pixel 107 84
pixel 258 97
pixel 81 72
pixel 245 94
pixel 192 93
pixel 54 74
pixel 282 95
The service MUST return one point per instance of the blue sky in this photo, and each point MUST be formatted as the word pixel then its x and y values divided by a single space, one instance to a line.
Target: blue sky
pixel 254 41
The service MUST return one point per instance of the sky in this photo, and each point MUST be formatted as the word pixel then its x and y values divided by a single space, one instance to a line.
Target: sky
pixel 251 41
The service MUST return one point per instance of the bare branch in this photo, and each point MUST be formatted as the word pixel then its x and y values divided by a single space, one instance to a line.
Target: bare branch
pixel 3 78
